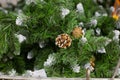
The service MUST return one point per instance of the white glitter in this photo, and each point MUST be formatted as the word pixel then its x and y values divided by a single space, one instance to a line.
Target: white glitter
pixel 97 14
pixel 12 73
pixel 98 31
pixel 76 68
pixel 81 24
pixel 65 12
pixel 105 14
pixel 112 8
pixel 107 41
pixel 20 20
pixel 28 2
pixel 20 37
pixel 102 50
pixel 30 55
pixel 93 22
pixel 88 66
pixel 50 60
pixel 80 8
pixel 42 44
pixel 83 39
pixel 116 35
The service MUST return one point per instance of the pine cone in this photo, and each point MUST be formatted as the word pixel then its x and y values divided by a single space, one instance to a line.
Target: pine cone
pixel 63 41
pixel 77 32
pixel 92 60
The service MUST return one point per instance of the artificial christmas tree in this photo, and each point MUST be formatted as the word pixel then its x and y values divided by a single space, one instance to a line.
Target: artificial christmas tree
pixel 42 34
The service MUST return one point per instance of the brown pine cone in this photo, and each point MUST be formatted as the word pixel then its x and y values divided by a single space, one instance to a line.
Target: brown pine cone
pixel 77 32
pixel 63 41
pixel 92 60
